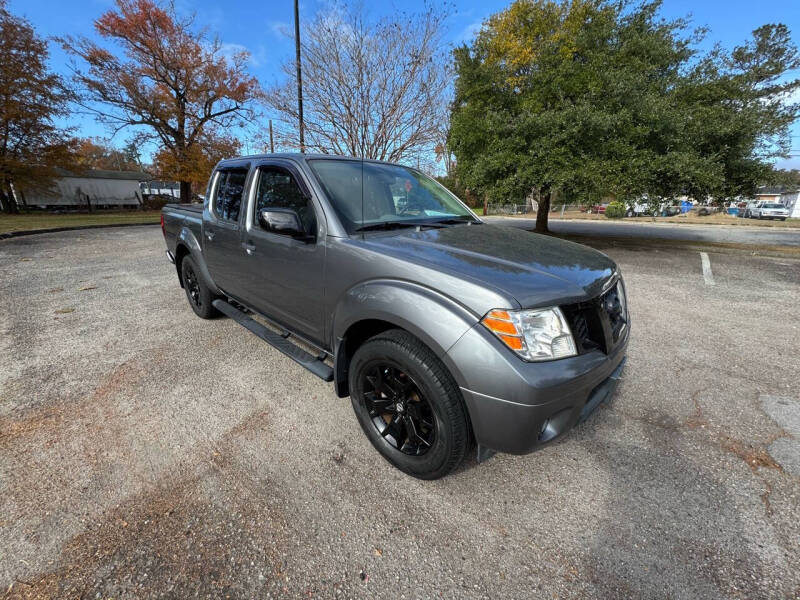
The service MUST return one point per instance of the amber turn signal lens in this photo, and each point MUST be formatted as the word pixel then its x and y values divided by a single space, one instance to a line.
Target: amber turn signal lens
pixel 499 326
pixel 499 322
pixel 515 343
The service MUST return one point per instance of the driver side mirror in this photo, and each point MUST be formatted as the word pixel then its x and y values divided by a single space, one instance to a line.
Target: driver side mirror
pixel 284 221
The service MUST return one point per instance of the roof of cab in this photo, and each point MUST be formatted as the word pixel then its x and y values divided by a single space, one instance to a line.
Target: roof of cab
pixel 299 156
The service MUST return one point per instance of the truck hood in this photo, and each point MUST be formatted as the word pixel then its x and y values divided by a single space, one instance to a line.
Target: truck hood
pixel 535 270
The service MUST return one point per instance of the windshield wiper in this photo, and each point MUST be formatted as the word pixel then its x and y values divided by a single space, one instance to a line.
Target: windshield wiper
pixel 386 225
pixel 458 220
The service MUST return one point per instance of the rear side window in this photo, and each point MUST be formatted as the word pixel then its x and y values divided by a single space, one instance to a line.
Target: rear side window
pixel 230 188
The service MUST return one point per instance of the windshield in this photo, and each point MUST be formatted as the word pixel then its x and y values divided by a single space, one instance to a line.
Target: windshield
pixel 772 206
pixel 366 195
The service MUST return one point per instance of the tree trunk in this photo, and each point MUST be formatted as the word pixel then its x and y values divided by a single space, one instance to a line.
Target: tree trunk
pixel 9 202
pixel 186 192
pixel 543 212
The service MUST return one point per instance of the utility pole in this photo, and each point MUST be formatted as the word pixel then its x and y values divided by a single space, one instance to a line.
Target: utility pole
pixel 299 77
pixel 271 144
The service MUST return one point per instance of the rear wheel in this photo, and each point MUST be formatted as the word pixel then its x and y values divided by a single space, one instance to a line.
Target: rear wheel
pixel 408 405
pixel 197 292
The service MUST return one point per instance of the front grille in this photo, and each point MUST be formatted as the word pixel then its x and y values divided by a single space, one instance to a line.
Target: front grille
pixel 599 323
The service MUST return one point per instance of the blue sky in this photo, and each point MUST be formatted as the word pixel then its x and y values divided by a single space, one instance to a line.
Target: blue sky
pixel 260 27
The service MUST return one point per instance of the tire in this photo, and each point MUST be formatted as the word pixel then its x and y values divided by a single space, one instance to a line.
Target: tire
pixel 783 218
pixel 395 368
pixel 197 292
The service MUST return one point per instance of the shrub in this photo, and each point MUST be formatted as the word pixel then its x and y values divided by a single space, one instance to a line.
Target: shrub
pixel 615 210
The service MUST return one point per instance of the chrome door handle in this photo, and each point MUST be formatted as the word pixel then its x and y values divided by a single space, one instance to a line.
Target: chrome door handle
pixel 210 235
pixel 250 249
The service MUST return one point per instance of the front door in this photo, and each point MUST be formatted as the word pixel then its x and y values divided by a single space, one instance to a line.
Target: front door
pixel 222 243
pixel 285 274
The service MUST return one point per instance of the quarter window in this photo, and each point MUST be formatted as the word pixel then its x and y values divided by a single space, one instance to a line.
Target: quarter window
pixel 230 189
pixel 278 189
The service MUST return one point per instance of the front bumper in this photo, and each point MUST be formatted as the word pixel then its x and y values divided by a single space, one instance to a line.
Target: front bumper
pixel 517 407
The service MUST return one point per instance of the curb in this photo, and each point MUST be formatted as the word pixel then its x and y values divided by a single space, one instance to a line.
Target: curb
pixel 13 234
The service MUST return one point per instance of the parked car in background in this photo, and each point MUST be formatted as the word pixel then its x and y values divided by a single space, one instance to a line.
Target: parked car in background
pixel 747 213
pixel 639 209
pixel 704 210
pixel 669 210
pixel 770 210
pixel 598 209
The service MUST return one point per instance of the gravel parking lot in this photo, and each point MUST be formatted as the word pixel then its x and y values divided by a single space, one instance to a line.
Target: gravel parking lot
pixel 144 452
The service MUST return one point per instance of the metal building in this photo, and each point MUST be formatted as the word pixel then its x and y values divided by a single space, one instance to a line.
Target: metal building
pixel 91 188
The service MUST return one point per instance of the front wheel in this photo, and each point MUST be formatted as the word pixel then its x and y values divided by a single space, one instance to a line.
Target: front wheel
pixel 408 405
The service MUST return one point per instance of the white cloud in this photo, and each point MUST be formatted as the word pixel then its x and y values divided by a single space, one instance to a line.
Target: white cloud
pixel 256 58
pixel 469 32
pixel 280 29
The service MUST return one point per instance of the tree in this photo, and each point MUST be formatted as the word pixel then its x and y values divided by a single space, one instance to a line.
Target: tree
pixel 201 159
pixel 96 153
pixel 174 81
pixel 370 89
pixel 591 98
pixel 31 98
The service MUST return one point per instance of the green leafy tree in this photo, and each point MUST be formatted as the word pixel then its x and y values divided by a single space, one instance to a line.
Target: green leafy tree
pixel 589 98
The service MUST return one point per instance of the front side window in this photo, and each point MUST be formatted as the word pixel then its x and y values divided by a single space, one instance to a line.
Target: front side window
pixel 230 188
pixel 277 189
pixel 366 194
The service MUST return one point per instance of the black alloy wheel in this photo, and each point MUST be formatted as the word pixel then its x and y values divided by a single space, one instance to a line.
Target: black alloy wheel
pixel 398 409
pixel 198 294
pixel 408 404
pixel 192 286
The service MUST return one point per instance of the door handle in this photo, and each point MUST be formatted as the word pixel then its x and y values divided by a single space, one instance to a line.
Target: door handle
pixel 250 249
pixel 210 234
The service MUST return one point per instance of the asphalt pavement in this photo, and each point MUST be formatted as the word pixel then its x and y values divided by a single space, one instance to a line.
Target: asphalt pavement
pixel 147 453
pixel 642 229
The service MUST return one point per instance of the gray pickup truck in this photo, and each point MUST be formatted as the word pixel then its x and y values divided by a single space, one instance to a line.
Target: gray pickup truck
pixel 446 332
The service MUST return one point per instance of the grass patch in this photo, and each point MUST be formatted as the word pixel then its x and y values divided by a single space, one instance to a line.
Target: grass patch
pixel 34 221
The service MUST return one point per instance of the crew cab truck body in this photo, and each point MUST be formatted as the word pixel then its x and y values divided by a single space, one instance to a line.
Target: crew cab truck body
pixel 442 329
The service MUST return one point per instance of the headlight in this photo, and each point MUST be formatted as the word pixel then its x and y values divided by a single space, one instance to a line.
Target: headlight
pixel 623 301
pixel 535 335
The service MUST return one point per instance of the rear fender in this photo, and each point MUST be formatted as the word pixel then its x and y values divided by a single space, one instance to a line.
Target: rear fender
pixel 188 239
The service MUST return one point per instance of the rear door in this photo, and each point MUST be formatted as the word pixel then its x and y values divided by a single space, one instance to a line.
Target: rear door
pixel 284 275
pixel 222 226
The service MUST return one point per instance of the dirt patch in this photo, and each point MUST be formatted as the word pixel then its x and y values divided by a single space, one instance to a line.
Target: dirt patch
pixel 176 541
pixel 50 417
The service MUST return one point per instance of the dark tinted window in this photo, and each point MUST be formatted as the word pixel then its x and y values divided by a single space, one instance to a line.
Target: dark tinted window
pixel 230 189
pixel 278 189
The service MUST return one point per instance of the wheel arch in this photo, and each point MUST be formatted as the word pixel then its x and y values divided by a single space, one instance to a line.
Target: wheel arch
pixel 187 245
pixel 181 251
pixel 376 306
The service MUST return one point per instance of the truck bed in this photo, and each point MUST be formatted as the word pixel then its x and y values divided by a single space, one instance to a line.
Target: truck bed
pixel 192 208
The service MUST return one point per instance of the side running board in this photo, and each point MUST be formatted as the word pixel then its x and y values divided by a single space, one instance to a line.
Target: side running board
pixel 279 342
